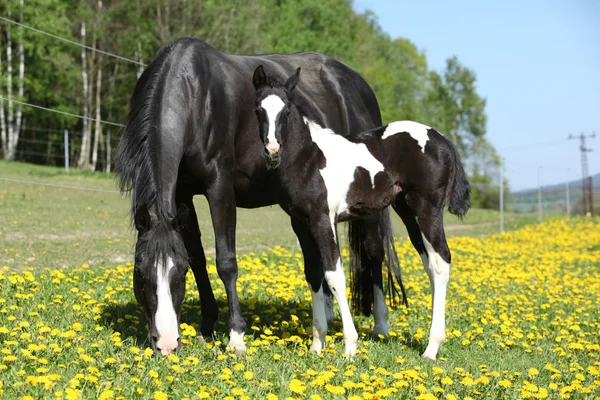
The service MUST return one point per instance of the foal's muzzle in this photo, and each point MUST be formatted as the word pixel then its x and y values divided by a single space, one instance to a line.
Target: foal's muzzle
pixel 273 160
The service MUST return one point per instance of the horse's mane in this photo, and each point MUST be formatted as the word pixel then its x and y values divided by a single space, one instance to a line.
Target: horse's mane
pixel 136 161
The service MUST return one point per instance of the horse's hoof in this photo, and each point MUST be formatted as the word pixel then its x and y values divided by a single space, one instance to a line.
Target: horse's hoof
pixel 428 357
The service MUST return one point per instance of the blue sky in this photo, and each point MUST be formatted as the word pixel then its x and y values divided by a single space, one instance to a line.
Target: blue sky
pixel 537 63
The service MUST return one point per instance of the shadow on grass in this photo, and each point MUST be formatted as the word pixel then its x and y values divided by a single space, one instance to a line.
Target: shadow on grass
pixel 129 321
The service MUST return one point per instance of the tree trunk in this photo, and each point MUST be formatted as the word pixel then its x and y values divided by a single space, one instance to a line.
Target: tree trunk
pixel 9 116
pixel 108 151
pixel 12 150
pixel 98 131
pixel 111 87
pixel 2 121
pixel 84 78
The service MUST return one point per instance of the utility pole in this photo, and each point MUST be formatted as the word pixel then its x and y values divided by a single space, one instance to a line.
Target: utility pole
pixel 584 171
pixel 501 196
pixel 568 199
pixel 540 216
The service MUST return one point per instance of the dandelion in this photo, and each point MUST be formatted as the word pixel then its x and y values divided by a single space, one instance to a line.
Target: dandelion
pixel 297 386
pixel 158 395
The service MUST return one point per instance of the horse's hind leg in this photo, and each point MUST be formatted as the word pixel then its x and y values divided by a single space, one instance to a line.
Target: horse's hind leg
pixel 313 270
pixel 436 260
pixel 193 245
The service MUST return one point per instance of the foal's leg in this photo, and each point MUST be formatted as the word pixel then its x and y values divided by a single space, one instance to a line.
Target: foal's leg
pixel 372 260
pixel 314 274
pixel 324 231
pixel 435 254
pixel 221 200
pixel 193 245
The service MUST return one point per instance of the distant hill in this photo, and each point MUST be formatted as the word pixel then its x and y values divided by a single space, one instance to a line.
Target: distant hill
pixel 553 196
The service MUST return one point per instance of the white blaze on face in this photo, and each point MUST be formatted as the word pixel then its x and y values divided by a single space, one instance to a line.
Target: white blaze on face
pixel 165 318
pixel 416 130
pixel 272 105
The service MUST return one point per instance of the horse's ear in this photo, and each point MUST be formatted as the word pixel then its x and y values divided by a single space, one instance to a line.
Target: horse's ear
pixel 292 81
pixel 181 222
pixel 142 219
pixel 259 77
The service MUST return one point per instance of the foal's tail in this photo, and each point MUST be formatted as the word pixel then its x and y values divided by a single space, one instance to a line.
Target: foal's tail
pixel 459 191
pixel 362 265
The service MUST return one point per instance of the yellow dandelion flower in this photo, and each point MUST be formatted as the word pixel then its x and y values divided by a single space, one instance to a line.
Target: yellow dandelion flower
pixel 505 383
pixel 158 395
pixel 335 389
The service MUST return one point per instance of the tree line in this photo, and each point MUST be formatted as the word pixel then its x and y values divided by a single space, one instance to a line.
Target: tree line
pixel 44 71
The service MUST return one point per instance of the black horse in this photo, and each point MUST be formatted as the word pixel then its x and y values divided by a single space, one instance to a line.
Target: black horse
pixel 323 178
pixel 190 130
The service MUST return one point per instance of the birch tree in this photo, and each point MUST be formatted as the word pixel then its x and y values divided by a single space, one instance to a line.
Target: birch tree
pixel 85 138
pixel 2 121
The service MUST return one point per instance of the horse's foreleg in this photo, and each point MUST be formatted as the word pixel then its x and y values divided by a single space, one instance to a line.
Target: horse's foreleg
pixel 324 231
pixel 313 271
pixel 221 200
pixel 193 245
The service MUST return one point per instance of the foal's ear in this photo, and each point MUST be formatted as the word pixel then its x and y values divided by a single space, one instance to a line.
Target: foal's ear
pixel 259 77
pixel 181 222
pixel 142 219
pixel 292 81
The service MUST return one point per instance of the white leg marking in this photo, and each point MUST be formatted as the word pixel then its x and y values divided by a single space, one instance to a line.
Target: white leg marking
pixel 416 130
pixel 319 328
pixel 380 312
pixel 272 105
pixel 236 342
pixel 439 274
pixel 337 282
pixel 165 318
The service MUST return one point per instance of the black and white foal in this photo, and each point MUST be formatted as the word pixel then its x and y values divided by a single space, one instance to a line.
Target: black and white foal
pixel 323 178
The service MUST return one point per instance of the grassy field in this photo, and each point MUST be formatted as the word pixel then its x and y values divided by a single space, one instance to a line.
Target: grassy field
pixel 522 318
pixel 45 226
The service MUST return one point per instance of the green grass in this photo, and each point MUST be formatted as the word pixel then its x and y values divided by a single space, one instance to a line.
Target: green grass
pixel 520 314
pixel 44 226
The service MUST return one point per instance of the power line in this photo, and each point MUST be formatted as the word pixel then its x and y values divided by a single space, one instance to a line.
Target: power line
pixel 60 186
pixel 62 112
pixel 72 42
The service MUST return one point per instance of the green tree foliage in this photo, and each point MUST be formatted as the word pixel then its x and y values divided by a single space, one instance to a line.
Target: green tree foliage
pixel 395 68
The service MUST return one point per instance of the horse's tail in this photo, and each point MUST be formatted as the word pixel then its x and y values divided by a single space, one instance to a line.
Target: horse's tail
pixel 134 162
pixel 361 269
pixel 459 192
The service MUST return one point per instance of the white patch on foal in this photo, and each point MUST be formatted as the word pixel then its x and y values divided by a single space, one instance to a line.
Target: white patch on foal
pixel 416 130
pixel 272 105
pixel 343 157
pixel 165 318
pixel 439 274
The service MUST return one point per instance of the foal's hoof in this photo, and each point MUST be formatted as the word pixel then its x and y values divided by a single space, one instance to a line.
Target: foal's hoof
pixel 204 339
pixel 429 357
pixel 238 351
